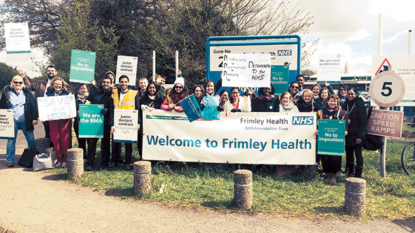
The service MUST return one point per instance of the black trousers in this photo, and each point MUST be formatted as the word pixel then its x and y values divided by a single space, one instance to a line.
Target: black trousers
pixel 105 148
pixel 352 152
pixel 81 141
pixel 331 163
pixel 116 152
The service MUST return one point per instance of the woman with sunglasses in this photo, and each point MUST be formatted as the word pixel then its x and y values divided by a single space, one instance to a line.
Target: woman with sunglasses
pixel 25 114
pixel 356 111
pixel 239 104
pixel 177 94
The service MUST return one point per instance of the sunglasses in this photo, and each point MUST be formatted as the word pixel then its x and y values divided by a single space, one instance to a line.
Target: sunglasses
pixel 235 92
pixel 178 87
pixel 17 82
pixel 296 87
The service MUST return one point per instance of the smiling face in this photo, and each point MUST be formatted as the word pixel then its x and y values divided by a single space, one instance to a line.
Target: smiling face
pixel 143 84
pixel 210 88
pixel 307 97
pixel 124 84
pixel 286 99
pixel 82 90
pixel 300 81
pixel 324 94
pixel 351 95
pixel 267 91
pixel 342 92
pixel 57 86
pixel 198 92
pixel 106 83
pixel 152 89
pixel 224 97
pixel 17 83
pixel 235 94
pixel 332 103
pixel 51 72
pixel 316 90
pixel 294 88
pixel 178 88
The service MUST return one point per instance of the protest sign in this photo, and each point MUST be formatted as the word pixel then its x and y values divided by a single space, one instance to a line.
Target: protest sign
pixel 329 68
pixel 331 137
pixel 127 66
pixel 82 66
pixel 243 138
pixel 191 107
pixel 56 107
pixel 246 70
pixel 17 37
pixel 125 124
pixel 91 121
pixel 279 79
pixel 210 111
pixel 385 123
pixel 6 124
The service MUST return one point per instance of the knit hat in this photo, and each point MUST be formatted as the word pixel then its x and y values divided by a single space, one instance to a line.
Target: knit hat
pixel 179 80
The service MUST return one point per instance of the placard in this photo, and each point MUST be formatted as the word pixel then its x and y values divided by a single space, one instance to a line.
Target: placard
pixel 17 37
pixel 91 121
pixel 330 68
pixel 127 66
pixel 82 66
pixel 246 70
pixel 125 124
pixel 331 137
pixel 279 79
pixel 56 107
pixel 385 123
pixel 6 124
pixel 242 138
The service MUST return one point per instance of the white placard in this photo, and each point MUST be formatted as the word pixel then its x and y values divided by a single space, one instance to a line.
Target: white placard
pixel 127 66
pixel 248 138
pixel 329 68
pixel 125 124
pixel 17 37
pixel 56 107
pixel 6 123
pixel 246 70
pixel 404 66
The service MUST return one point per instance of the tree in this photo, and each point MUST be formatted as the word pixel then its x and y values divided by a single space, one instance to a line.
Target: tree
pixel 6 74
pixel 80 32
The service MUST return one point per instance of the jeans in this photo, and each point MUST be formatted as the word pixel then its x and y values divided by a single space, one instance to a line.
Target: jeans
pixel 11 142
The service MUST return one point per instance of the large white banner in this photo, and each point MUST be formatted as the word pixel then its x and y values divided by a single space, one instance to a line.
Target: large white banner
pixel 56 107
pixel 17 37
pixel 244 138
pixel 403 66
pixel 329 68
pixel 6 123
pixel 246 70
pixel 125 124
pixel 127 66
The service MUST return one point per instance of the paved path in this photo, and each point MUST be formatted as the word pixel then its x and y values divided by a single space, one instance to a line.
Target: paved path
pixel 39 202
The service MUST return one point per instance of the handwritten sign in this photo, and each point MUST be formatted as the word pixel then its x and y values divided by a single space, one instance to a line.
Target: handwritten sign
pixel 91 121
pixel 6 124
pixel 17 37
pixel 125 124
pixel 82 66
pixel 246 70
pixel 127 66
pixel 56 107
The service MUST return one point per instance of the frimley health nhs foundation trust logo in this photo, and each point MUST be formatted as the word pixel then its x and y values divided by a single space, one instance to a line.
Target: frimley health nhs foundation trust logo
pixel 303 120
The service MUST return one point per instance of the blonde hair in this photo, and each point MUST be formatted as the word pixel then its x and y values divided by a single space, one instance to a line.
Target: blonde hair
pixel 308 91
pixel 14 79
pixel 56 78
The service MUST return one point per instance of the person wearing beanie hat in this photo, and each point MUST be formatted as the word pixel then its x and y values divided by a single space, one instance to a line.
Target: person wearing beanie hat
pixel 177 94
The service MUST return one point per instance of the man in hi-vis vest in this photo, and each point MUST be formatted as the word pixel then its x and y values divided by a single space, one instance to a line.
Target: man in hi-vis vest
pixel 124 98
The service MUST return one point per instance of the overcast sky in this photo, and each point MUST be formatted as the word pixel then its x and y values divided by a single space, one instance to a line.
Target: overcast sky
pixel 348 28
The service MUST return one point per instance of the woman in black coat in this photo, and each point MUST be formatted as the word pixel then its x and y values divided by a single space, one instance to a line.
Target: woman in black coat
pixel 356 111
pixel 264 102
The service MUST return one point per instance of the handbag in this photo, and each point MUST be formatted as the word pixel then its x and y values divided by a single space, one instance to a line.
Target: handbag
pixel 371 142
pixel 42 162
pixel 26 160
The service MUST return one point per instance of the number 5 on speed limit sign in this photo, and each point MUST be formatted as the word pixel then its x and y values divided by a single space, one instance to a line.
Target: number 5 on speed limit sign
pixel 387 89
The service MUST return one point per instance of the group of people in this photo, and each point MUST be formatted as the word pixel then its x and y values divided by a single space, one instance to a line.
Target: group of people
pixel 347 105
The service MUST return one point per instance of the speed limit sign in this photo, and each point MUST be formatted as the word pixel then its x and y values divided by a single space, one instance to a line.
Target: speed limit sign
pixel 387 89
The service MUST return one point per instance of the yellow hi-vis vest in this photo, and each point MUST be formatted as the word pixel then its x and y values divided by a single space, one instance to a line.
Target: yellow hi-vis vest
pixel 127 103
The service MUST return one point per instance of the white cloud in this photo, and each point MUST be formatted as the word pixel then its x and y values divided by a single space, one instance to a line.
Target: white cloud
pixel 394 37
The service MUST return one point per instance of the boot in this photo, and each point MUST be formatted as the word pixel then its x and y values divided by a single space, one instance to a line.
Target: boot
pixel 358 172
pixel 351 170
pixel 333 178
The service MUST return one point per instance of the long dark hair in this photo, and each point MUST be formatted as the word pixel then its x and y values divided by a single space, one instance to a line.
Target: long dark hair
pixel 158 94
pixel 231 98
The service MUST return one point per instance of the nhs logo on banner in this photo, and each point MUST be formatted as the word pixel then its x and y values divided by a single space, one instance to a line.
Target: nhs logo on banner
pixel 303 120
pixel 286 52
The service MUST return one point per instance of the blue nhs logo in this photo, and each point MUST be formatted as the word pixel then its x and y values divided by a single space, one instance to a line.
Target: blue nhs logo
pixel 287 52
pixel 303 120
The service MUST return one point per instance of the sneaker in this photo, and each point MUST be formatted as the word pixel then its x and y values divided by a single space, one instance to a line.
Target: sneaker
pixel 58 165
pixel 128 167
pixel 89 168
pixel 10 164
pixel 64 164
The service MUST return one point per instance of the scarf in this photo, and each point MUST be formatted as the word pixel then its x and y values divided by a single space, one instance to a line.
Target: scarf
pixel 287 108
pixel 266 98
pixel 330 113
pixel 82 97
pixel 177 97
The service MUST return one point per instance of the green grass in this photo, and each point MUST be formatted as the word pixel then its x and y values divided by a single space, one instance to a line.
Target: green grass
pixel 302 194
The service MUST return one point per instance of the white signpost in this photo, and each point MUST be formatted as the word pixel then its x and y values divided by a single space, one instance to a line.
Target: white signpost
pixel 127 66
pixel 17 38
pixel 125 124
pixel 6 124
pixel 329 68
pixel 246 70
pixel 56 107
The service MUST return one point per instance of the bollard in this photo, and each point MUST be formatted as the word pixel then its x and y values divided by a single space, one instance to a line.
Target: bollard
pixel 75 163
pixel 42 144
pixel 142 177
pixel 243 194
pixel 355 196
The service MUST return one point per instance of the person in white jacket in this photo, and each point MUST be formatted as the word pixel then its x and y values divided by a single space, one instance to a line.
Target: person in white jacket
pixel 239 104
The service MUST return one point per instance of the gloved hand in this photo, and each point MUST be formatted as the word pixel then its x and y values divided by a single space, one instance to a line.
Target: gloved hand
pixel 104 111
pixel 144 107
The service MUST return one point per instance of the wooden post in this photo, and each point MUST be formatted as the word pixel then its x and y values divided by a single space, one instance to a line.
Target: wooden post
pixel 75 163
pixel 243 193
pixel 142 177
